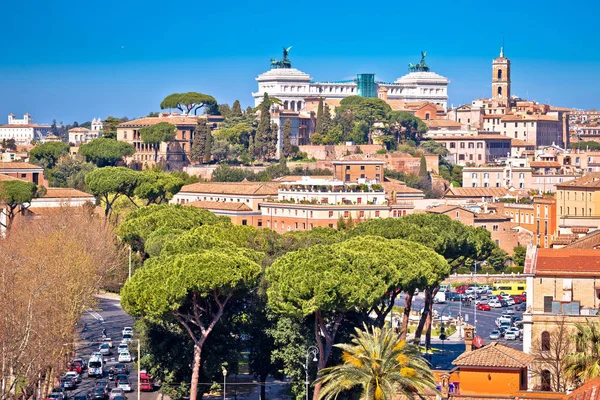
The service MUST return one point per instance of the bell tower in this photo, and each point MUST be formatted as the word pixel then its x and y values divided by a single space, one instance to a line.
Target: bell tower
pixel 501 78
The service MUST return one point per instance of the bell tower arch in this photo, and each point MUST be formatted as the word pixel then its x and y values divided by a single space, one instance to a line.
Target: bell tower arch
pixel 501 78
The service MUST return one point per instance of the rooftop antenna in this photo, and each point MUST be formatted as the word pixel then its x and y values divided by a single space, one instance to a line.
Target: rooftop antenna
pixel 502 48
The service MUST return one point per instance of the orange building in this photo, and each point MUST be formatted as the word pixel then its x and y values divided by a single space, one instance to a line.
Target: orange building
pixel 358 166
pixel 25 171
pixel 239 213
pixel 538 218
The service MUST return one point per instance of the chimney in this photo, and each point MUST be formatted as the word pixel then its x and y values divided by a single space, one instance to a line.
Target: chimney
pixel 445 386
pixel 468 334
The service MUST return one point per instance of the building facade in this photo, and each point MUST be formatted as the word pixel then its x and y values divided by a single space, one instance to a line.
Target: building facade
pixel 23 130
pixel 472 146
pixel 293 86
pixel 81 135
pixel 358 167
pixel 24 171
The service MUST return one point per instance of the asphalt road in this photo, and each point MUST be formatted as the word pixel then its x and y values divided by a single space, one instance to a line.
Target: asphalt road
pixel 111 317
pixel 486 320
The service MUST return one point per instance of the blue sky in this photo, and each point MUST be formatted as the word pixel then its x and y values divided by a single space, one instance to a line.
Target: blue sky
pixel 75 60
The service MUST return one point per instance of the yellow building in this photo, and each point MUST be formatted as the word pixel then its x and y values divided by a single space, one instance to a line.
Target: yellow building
pixel 578 201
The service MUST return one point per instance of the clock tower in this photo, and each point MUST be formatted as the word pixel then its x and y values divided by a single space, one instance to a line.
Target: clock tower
pixel 501 78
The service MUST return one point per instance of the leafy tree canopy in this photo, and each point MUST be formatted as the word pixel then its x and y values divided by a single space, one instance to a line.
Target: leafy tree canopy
pixel 156 187
pixel 188 102
pixel 141 223
pixel 70 172
pixel 47 154
pixel 158 133
pixel 365 108
pixel 109 183
pixel 105 152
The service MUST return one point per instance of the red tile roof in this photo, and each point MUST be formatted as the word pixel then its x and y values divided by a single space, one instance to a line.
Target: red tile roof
pixel 65 193
pixel 591 180
pixel 567 262
pixel 233 188
pixel 147 121
pixel 494 355
pixel 219 205
pixel 545 164
pixel 462 192
pixel 18 165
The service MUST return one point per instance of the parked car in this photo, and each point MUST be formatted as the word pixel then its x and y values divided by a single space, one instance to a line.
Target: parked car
pixel 503 303
pixel 74 375
pixel 510 335
pixel 453 296
pixel 481 299
pixel 124 357
pixel 510 301
pixel 495 335
pixel 515 330
pixel 518 299
pixel 104 349
pixel 471 290
pixel 484 307
pixel 116 392
pixel 461 289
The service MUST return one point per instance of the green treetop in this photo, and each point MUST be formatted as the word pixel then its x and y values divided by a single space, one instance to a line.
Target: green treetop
pixel 15 195
pixel 105 152
pixel 156 134
pixel 47 154
pixel 110 183
pixel 188 102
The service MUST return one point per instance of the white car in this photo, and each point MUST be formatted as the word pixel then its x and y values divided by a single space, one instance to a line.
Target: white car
pixel 494 303
pixel 127 338
pixel 123 347
pixel 495 335
pixel 127 330
pixel 481 300
pixel 516 331
pixel 73 375
pixel 124 357
pixel 116 392
pixel 108 341
pixel 510 301
pixel 510 335
pixel 125 385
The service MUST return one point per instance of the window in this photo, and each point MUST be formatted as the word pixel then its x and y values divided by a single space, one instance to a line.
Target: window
pixel 182 135
pixel 259 223
pixel 462 145
pixel 495 228
pixel 500 76
pixel 452 145
pixel 330 214
pixel 471 145
pixel 345 214
pixel 377 214
pixel 546 380
pixel 480 145
pixel 499 91
pixel 244 222
pixel 457 214
pixel 547 304
pixel 474 175
pixel 486 175
pixel 361 214
pixel 362 167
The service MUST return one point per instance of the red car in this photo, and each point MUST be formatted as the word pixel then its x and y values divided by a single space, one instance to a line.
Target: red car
pixel 461 289
pixel 76 366
pixel 518 299
pixel 484 307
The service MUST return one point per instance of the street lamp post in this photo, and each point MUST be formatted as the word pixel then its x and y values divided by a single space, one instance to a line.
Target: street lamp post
pixel 474 303
pixel 224 382
pixel 314 351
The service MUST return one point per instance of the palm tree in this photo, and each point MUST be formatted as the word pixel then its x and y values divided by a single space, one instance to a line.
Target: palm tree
pixel 381 364
pixel 584 364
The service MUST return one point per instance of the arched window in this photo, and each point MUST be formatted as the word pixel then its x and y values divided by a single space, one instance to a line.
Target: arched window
pixel 546 380
pixel 499 74
pixel 545 341
pixel 499 91
pixel 427 116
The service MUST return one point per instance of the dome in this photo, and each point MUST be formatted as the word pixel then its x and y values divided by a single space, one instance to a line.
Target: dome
pixel 284 74
pixel 422 77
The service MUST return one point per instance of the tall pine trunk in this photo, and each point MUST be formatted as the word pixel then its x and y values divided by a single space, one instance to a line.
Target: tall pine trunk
pixel 419 331
pixel 263 388
pixel 406 314
pixel 196 371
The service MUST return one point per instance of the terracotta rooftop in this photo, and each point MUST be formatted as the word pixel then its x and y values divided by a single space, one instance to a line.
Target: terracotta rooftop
pixel 567 262
pixel 18 165
pixel 469 137
pixel 295 178
pixel 520 143
pixel 534 117
pixel 233 188
pixel 147 121
pixel 442 123
pixel 219 206
pixel 588 391
pixel 589 241
pixel 399 187
pixel 359 157
pixel 494 355
pixel 591 180
pixel 65 193
pixel 545 164
pixel 79 129
pixel 443 209
pixel 476 192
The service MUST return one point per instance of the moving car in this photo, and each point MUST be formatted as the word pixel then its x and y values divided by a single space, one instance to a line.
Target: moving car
pixel 123 383
pixel 121 369
pixel 495 335
pixel 74 375
pixel 484 307
pixel 509 311
pixel 104 349
pixel 127 337
pixel 124 357
pixel 68 383
pixel 440 297
pixel 495 303
pixel 127 330
pixel 56 396
pixel 521 307
pixel 77 366
pixel 97 393
pixel 96 366
pixel 122 347
pixel 510 335
pixel 116 392
pixel 108 341
pixel 515 330
pixel 453 296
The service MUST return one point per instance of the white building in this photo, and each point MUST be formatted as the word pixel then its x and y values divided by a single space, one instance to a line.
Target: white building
pixel 23 130
pixel 97 125
pixel 82 135
pixel 293 86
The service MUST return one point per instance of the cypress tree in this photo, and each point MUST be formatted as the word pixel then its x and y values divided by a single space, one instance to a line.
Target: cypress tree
pixel 199 142
pixel 263 132
pixel 326 120
pixel 319 122
pixel 286 138
pixel 236 109
pixel 423 167
pixel 207 146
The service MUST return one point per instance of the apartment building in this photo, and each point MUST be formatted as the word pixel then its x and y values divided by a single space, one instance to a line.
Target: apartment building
pixel 355 167
pixel 472 147
pixel 538 217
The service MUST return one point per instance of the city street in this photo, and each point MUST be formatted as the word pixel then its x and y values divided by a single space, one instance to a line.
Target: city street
pixel 111 317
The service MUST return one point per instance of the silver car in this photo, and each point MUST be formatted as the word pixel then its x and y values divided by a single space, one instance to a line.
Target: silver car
pixel 495 335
